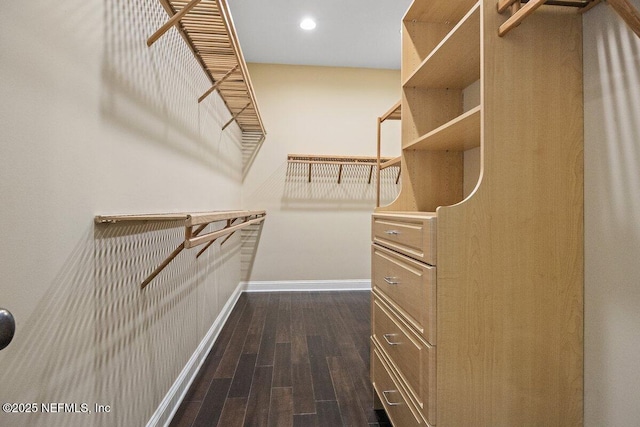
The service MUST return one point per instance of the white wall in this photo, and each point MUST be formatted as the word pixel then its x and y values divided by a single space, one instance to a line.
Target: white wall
pixel 94 122
pixel 612 220
pixel 318 230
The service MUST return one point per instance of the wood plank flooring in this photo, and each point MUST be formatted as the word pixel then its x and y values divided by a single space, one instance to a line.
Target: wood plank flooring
pixel 298 359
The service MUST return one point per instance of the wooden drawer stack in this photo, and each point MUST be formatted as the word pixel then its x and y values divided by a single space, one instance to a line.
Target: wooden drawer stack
pixel 403 312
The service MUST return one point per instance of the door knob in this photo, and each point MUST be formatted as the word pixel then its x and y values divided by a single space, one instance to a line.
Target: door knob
pixel 7 327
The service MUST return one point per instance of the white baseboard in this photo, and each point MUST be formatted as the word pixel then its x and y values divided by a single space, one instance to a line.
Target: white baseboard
pixel 306 285
pixel 171 402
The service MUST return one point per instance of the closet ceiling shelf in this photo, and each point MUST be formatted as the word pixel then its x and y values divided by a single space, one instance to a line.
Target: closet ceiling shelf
pixel 235 220
pixel 624 8
pixel 201 22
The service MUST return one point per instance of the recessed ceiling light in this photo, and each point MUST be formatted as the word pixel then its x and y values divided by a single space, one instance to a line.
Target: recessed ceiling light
pixel 308 24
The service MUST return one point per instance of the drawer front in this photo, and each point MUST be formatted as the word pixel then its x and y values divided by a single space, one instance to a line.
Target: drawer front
pixel 395 402
pixel 415 237
pixel 410 286
pixel 413 359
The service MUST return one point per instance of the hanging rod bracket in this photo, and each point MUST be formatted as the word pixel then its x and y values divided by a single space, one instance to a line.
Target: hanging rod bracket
pixel 175 19
pixel 218 83
pixel 235 116
pixel 518 14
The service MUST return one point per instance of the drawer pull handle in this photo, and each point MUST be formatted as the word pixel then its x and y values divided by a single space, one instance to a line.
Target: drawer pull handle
pixel 388 340
pixel 392 232
pixel 384 394
pixel 391 280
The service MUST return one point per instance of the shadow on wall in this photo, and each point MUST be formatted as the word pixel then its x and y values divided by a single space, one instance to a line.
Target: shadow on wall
pixel 250 239
pixel 145 337
pixel 141 334
pixel 97 338
pixel 289 186
pixel 153 91
pixel 51 358
pixel 618 61
pixel 612 215
pixel 251 144
pixel 329 186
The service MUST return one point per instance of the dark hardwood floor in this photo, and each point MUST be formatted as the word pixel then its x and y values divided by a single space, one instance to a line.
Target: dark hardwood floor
pixel 288 359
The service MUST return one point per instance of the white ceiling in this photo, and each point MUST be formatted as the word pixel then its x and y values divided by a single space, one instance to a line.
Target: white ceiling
pixel 349 33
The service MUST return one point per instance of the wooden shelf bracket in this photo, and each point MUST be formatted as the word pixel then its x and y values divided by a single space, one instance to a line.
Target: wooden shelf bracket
pixel 175 19
pixel 194 224
pixel 518 16
pixel 217 83
pixel 207 28
pixel 627 11
pixel 519 13
pixel 235 116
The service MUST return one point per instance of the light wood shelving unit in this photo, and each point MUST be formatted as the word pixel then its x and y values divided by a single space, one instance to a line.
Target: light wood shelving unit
pixel 235 220
pixel 477 304
pixel 207 28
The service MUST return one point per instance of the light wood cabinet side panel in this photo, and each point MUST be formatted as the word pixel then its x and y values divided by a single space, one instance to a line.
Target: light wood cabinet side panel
pixel 510 258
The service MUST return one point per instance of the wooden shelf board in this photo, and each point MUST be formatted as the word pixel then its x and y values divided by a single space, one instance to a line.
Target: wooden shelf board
pixel 461 133
pixel 455 62
pixel 208 30
pixel 405 214
pixel 189 218
pixel 443 12
pixel 109 219
pixel 334 159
